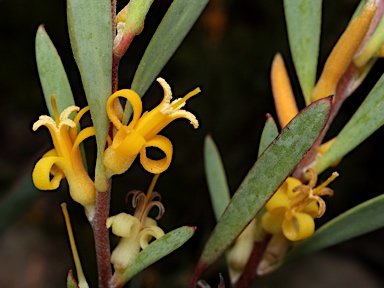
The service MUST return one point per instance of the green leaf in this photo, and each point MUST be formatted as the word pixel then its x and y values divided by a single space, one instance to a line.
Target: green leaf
pixel 367 119
pixel 361 219
pixel 17 201
pixel 159 249
pixel 270 132
pixel 217 181
pixel 177 22
pixel 71 282
pixel 303 19
pixel 52 74
pixel 90 31
pixel 264 178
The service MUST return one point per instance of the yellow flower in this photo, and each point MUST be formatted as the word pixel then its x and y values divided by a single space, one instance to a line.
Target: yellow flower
pixel 135 231
pixel 293 207
pixel 65 161
pixel 142 131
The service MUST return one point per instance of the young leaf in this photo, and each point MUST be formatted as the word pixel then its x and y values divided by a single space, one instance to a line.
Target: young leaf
pixel 177 22
pixel 303 19
pixel 264 178
pixel 217 181
pixel 157 250
pixel 367 119
pixel 71 282
pixel 52 74
pixel 90 32
pixel 270 132
pixel 361 219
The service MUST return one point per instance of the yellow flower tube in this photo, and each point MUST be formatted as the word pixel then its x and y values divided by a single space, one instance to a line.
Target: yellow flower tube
pixel 65 161
pixel 343 53
pixel 283 96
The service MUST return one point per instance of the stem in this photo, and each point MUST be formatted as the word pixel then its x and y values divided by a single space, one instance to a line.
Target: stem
pixel 101 237
pixel 249 272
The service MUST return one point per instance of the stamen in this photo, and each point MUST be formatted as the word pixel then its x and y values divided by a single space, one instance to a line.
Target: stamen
pixel 159 205
pixel 82 282
pixel 325 183
pixel 313 180
pixel 150 188
pixel 175 104
pixel 138 202
pixel 55 111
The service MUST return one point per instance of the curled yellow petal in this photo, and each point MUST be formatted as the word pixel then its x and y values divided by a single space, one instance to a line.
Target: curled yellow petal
pixel 135 101
pixel 285 103
pixel 343 53
pixel 41 174
pixel 148 233
pixel 123 225
pixel 277 201
pixel 272 222
pixel 157 166
pixel 130 143
pixel 299 227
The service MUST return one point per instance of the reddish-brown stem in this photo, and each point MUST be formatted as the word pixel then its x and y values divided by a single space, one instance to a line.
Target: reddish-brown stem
pixel 249 272
pixel 343 91
pixel 103 198
pixel 101 236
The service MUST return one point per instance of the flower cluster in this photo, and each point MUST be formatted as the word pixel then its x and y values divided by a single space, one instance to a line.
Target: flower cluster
pixel 135 231
pixel 293 207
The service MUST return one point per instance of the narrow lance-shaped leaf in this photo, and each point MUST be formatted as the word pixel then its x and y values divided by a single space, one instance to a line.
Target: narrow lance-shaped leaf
pixel 53 78
pixel 361 219
pixel 177 22
pixel 90 32
pixel 264 178
pixel 367 119
pixel 303 19
pixel 52 74
pixel 157 250
pixel 217 181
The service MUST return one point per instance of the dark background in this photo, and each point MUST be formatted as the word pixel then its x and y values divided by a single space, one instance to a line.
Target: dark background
pixel 228 54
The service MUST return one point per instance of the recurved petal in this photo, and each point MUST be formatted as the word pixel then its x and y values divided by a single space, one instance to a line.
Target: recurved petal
pixel 146 235
pixel 272 222
pixel 124 225
pixel 298 227
pixel 157 166
pixel 41 174
pixel 135 101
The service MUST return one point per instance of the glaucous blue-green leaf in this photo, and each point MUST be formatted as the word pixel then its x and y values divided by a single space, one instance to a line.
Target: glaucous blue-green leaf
pixel 216 179
pixel 264 178
pixel 363 218
pixel 303 18
pixel 90 32
pixel 158 249
pixel 53 78
pixel 269 133
pixel 177 22
pixel 52 74
pixel 367 119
